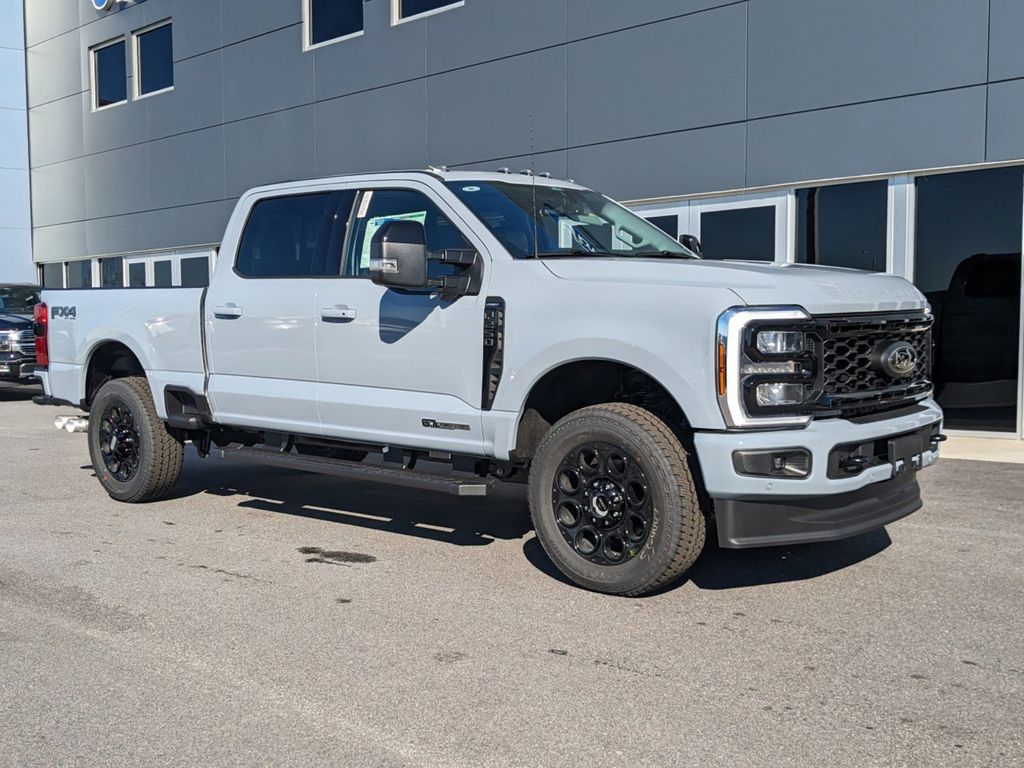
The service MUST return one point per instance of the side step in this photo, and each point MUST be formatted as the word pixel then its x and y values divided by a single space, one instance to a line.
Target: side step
pixel 455 486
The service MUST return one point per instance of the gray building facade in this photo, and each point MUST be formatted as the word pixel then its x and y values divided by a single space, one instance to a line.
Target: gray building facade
pixel 15 218
pixel 879 134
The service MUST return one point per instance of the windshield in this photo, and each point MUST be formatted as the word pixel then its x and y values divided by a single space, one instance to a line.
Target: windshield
pixel 18 299
pixel 554 221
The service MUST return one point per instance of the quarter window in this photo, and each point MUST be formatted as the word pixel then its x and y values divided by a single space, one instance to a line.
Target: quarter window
pixel 109 75
pixel 333 19
pixel 409 8
pixel 292 236
pixel 154 60
pixel 379 206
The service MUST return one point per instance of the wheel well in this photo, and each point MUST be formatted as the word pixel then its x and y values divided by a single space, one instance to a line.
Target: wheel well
pixel 110 360
pixel 590 382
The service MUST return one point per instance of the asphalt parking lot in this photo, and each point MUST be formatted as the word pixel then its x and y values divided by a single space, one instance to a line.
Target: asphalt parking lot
pixel 270 617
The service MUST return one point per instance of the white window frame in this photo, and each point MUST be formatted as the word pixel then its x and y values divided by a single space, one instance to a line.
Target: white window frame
pixel 94 91
pixel 137 61
pixel 307 30
pixel 146 262
pixel 397 18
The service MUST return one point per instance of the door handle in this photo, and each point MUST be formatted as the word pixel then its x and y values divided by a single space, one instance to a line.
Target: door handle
pixel 338 312
pixel 227 310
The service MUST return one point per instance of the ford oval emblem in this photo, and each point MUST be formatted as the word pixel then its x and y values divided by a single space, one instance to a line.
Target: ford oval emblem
pixel 899 359
pixel 102 5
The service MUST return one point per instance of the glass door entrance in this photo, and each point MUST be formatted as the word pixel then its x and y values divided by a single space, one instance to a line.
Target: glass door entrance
pixel 968 264
pixel 748 227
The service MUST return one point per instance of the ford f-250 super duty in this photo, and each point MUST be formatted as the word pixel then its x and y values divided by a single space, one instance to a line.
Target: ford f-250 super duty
pixel 515 327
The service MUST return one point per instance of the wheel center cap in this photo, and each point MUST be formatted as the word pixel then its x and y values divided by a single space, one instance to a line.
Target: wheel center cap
pixel 605 498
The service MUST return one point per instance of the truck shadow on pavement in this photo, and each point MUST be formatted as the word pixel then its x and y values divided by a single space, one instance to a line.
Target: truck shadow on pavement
pixel 433 516
pixel 17 393
pixel 719 568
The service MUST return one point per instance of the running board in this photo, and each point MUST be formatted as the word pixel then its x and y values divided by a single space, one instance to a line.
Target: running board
pixel 410 478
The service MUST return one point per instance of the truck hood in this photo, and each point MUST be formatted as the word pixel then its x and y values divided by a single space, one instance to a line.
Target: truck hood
pixel 819 290
pixel 9 322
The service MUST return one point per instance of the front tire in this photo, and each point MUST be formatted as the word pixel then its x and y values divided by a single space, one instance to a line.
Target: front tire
pixel 613 501
pixel 134 455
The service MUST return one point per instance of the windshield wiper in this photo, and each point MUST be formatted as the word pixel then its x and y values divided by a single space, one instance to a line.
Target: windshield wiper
pixel 574 253
pixel 663 255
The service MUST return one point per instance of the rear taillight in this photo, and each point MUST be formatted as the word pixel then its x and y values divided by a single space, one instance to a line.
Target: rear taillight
pixel 41 316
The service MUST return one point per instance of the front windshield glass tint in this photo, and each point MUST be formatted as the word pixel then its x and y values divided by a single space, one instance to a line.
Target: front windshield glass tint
pixel 554 221
pixel 18 299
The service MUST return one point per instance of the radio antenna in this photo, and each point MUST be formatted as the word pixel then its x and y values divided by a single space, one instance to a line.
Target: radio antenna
pixel 533 176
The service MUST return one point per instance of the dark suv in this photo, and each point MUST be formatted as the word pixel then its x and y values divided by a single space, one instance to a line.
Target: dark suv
pixel 17 337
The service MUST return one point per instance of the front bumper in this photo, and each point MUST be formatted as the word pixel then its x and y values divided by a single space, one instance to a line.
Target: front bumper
pixel 15 367
pixel 763 511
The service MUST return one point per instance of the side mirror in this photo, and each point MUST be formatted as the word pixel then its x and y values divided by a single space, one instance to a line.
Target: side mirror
pixel 691 243
pixel 398 255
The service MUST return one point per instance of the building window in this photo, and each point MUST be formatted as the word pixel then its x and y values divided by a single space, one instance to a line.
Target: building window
pixel 195 272
pixel 739 233
pixel 328 21
pixel 162 271
pixel 109 75
pixel 79 274
pixel 843 225
pixel 410 9
pixel 154 59
pixel 52 275
pixel 112 273
pixel 137 274
pixel 667 224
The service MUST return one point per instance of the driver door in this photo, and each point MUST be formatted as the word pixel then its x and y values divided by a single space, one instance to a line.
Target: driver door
pixel 399 367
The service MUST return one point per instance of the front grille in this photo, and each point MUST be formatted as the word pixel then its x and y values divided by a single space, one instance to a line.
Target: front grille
pixel 18 341
pixel 852 380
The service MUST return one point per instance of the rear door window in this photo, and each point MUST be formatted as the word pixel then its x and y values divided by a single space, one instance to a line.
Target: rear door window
pixel 293 236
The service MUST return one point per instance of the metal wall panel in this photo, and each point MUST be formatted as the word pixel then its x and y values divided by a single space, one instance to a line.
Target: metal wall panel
pixel 58 193
pixel 196 102
pixel 937 129
pixel 187 169
pixel 267 73
pixel 56 130
pixel 484 112
pixel 1004 137
pixel 1006 54
pixel 808 54
pixel 268 149
pixel 242 19
pixel 117 182
pixel 693 74
pixel 197 24
pixel 594 17
pixel 380 129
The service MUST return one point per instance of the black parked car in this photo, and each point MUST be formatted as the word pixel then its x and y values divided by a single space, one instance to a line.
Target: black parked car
pixel 17 337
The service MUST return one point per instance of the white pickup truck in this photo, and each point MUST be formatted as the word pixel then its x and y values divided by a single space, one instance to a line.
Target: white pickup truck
pixel 511 327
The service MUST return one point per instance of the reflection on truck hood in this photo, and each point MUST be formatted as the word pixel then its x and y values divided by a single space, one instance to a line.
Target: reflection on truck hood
pixel 819 290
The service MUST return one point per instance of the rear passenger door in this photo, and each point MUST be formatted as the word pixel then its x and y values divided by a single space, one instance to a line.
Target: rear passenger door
pixel 261 321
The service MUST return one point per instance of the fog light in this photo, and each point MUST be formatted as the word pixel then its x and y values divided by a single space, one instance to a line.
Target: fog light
pixel 779 393
pixel 786 462
pixel 780 342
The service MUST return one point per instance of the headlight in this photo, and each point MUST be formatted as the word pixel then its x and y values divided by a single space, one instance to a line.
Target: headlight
pixel 766 367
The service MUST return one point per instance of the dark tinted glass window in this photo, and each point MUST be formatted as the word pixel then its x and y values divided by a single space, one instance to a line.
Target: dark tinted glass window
pixel 667 224
pixel 111 75
pixel 378 207
pixel 413 7
pixel 53 275
pixel 156 60
pixel 111 273
pixel 741 233
pixel 162 274
pixel 195 272
pixel 137 275
pixel 843 225
pixel 18 299
pixel 288 236
pixel 80 274
pixel 968 265
pixel 330 19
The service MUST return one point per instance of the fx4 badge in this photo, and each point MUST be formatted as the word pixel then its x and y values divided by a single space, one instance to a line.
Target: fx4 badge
pixel 68 313
pixel 431 424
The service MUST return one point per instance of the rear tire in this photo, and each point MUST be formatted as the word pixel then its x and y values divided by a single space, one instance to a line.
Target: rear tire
pixel 613 501
pixel 134 455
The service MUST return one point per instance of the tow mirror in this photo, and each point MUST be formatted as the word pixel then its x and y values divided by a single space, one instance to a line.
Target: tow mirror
pixel 398 255
pixel 691 243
